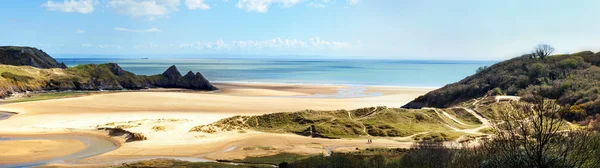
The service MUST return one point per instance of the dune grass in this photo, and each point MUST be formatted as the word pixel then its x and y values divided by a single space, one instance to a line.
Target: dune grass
pixel 373 121
pixel 438 136
pixel 463 116
pixel 259 148
pixel 273 159
pixel 161 163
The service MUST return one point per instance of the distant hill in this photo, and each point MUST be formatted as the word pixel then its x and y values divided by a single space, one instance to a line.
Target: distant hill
pixel 28 56
pixel 571 79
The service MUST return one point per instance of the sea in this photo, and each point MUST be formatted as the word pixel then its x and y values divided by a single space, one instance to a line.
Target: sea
pixel 409 73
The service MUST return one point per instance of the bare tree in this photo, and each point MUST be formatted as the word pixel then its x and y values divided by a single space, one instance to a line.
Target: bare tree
pixel 542 51
pixel 534 135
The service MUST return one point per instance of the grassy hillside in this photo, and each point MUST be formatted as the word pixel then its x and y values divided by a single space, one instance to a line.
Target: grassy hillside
pixel 374 121
pixel 571 79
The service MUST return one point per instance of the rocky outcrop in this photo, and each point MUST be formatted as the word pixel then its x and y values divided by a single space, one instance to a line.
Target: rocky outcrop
pixel 27 56
pixel 127 136
pixel 172 78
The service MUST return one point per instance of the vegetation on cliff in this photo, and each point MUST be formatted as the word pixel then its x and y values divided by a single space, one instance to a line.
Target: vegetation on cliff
pixel 571 79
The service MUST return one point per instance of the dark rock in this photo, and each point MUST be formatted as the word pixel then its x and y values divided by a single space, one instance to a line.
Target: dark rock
pixel 128 135
pixel 413 105
pixel 115 69
pixel 172 73
pixel 11 55
pixel 189 76
pixel 189 81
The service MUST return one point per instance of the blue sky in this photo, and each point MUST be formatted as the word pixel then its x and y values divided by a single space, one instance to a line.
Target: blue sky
pixel 389 29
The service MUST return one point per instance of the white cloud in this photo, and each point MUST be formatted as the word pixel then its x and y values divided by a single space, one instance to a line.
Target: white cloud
pixel 138 8
pixel 150 30
pixel 263 5
pixel 196 4
pixel 79 31
pixel 316 5
pixel 320 3
pixel 86 45
pixel 314 43
pixel 80 6
pixel 352 2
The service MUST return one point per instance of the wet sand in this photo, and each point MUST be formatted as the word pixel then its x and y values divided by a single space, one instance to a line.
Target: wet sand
pixel 15 151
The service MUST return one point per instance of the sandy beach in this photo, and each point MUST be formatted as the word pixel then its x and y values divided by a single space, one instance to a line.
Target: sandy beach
pixel 177 112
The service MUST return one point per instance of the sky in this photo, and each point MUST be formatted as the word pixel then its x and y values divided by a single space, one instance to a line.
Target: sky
pixel 351 29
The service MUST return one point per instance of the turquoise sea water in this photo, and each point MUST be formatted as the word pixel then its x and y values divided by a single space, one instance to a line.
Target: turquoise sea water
pixel 348 72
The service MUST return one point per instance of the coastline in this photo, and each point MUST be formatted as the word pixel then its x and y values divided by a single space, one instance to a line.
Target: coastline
pixel 323 84
pixel 177 112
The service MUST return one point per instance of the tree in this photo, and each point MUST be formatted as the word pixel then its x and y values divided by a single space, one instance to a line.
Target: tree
pixel 534 135
pixel 542 51
pixel 481 69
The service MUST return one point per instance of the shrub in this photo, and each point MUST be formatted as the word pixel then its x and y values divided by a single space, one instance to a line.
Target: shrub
pixel 158 128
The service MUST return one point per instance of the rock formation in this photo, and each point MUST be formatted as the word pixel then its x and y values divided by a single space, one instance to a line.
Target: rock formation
pixel 19 56
pixel 173 79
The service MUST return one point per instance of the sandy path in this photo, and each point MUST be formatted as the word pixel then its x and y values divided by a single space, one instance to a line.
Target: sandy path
pixel 15 151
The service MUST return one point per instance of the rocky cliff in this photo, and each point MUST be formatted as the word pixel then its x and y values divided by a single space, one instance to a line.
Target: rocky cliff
pixel 28 56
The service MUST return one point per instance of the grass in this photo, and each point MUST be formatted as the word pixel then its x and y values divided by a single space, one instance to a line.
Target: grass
pixel 157 128
pixel 47 96
pixel 488 130
pixel 259 147
pixel 374 121
pixel 273 159
pixel 445 119
pixel 493 110
pixel 372 157
pixel 463 116
pixel 161 163
pixel 438 136
pixel 402 122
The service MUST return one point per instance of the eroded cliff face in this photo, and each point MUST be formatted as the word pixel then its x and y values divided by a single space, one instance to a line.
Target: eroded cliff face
pixel 27 56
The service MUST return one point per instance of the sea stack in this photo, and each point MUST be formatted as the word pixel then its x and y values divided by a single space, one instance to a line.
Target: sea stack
pixel 174 79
